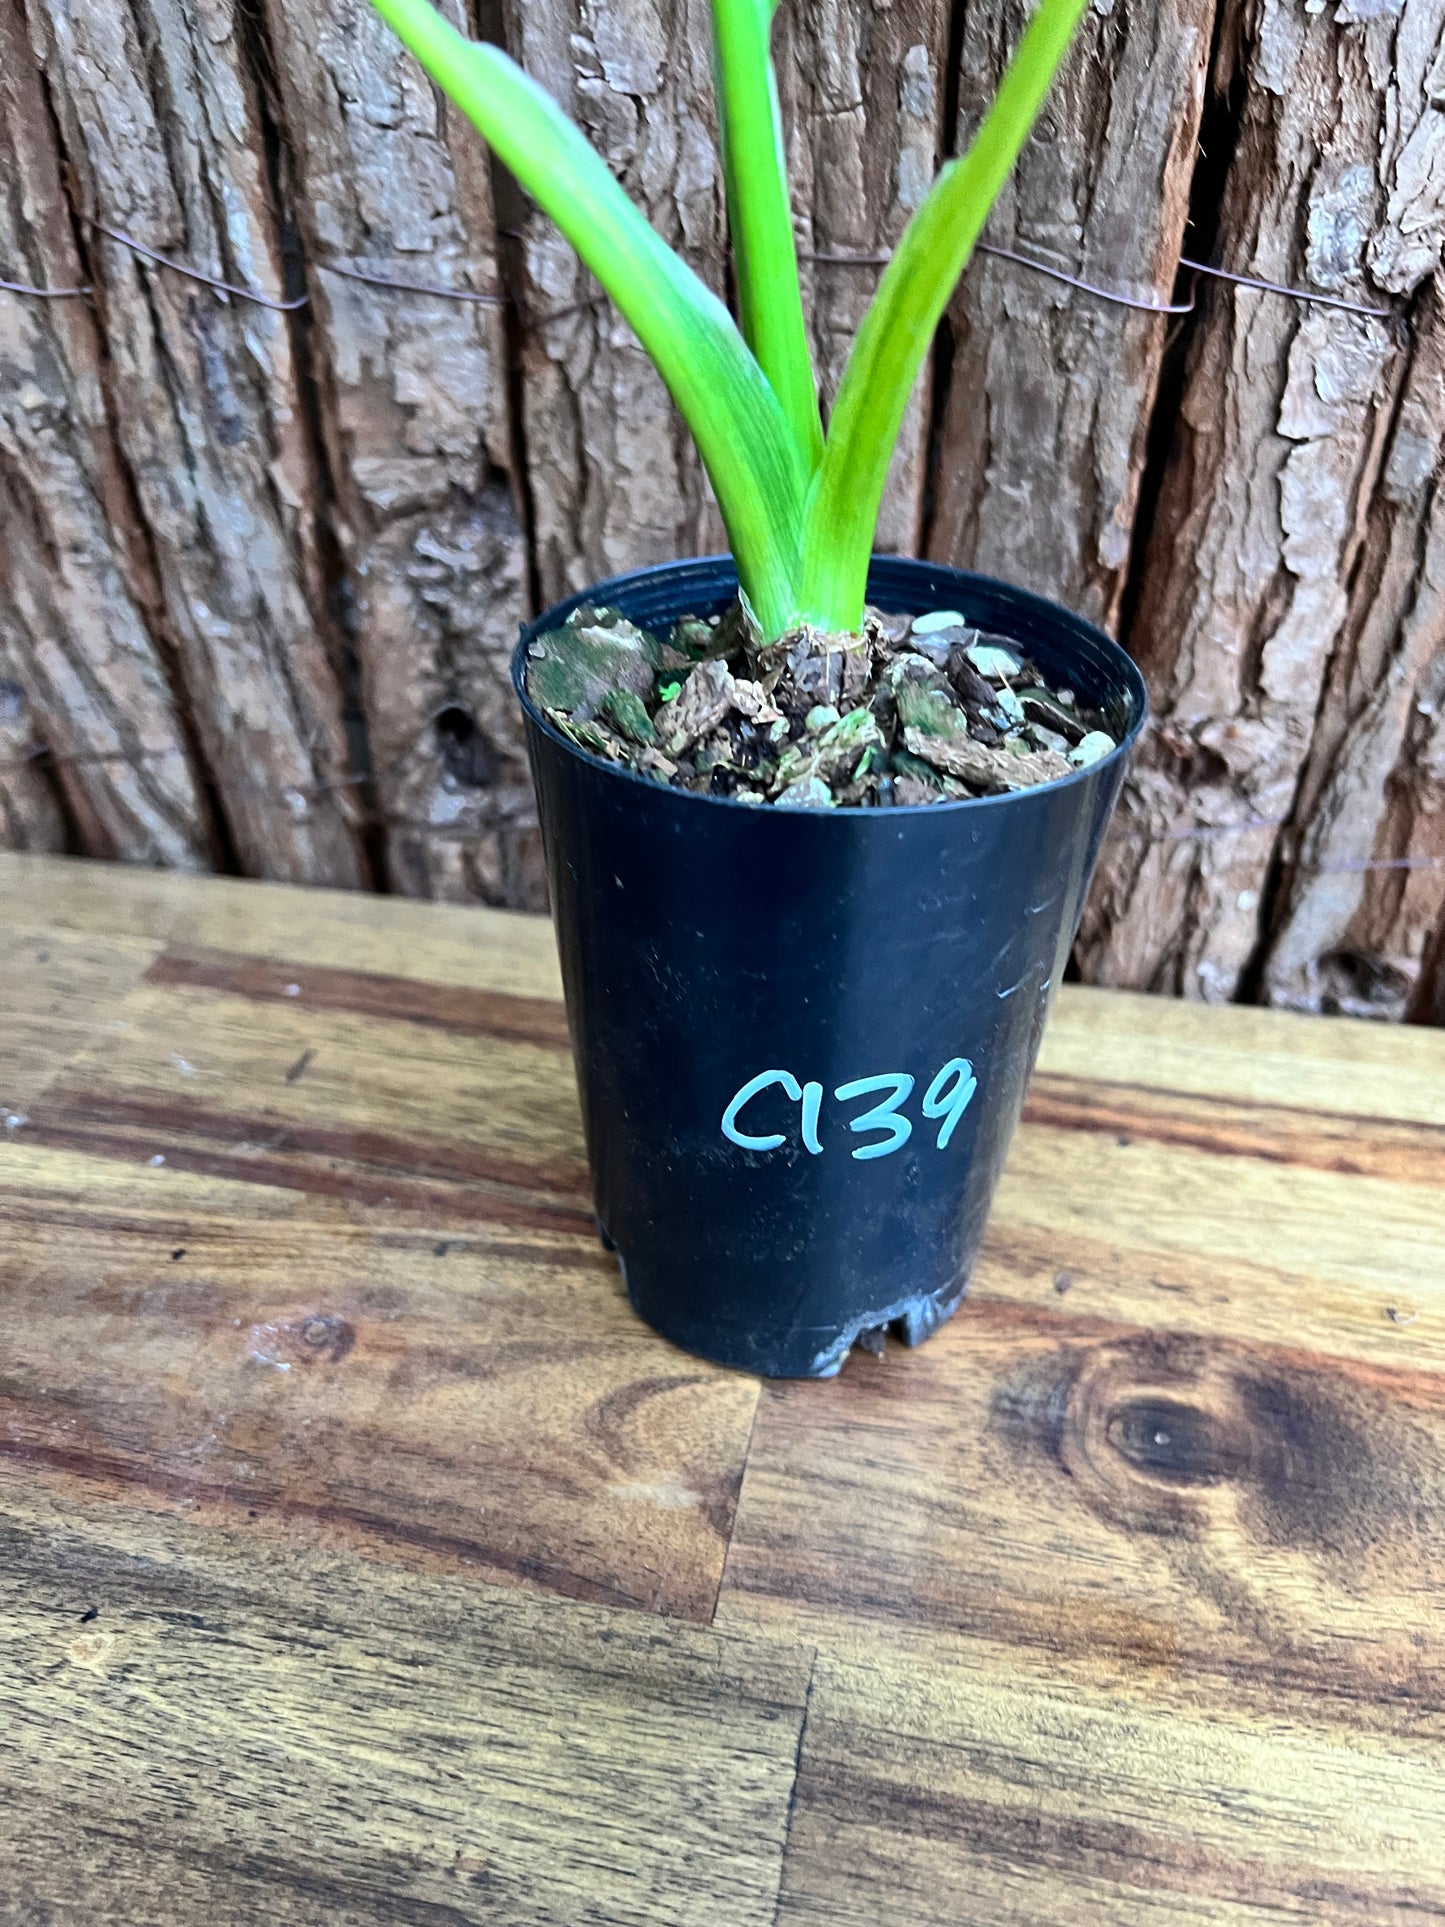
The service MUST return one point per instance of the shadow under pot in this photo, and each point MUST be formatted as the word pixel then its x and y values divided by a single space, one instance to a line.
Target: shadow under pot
pixel 803 1036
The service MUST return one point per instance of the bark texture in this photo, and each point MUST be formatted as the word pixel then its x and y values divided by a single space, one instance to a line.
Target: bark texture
pixel 30 813
pixel 82 674
pixel 161 133
pixel 413 398
pixel 614 479
pixel 1047 411
pixel 1276 496
pixel 1363 883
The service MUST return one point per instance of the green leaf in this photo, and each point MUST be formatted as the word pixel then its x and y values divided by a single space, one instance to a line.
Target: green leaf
pixel 740 428
pixel 842 509
pixel 765 260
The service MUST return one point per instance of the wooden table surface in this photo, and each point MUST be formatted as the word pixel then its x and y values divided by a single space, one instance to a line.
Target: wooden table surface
pixel 365 1561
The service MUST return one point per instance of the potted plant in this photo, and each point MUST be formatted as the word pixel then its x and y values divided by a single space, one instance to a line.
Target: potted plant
pixel 818 824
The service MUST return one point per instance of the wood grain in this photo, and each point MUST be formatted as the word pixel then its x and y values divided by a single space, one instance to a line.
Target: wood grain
pixel 975 1789
pixel 1246 1055
pixel 385 936
pixel 1194 1405
pixel 213 1072
pixel 467 1398
pixel 1236 1511
pixel 437 1757
pixel 411 1238
pixel 60 990
pixel 364 1559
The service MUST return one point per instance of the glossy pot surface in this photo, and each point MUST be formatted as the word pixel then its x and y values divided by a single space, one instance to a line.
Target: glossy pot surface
pixel 803 1036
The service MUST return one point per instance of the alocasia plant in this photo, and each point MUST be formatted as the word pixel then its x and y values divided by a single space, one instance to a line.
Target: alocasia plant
pixel 800 506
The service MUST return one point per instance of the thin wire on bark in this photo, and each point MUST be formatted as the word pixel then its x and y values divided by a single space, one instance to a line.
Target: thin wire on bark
pixel 415 287
pixel 1119 299
pixel 44 294
pixel 197 274
pixel 823 258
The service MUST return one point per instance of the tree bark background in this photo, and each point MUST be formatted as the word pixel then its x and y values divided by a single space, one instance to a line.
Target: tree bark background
pixel 81 661
pixel 1291 449
pixel 1050 393
pixel 262 569
pixel 157 114
pixel 614 480
pixel 411 394
pixel 1372 790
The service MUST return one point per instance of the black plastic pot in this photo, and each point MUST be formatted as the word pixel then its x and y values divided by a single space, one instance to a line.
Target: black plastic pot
pixel 708 946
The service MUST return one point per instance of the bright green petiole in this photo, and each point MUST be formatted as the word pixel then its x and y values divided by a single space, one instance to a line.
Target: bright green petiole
pixel 765 261
pixel 800 510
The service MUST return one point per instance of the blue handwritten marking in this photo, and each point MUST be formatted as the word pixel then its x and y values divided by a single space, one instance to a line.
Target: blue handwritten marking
pixel 947 1098
pixel 754 1088
pixel 950 1103
pixel 882 1117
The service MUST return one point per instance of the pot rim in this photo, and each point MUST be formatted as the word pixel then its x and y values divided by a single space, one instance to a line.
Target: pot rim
pixel 596 592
